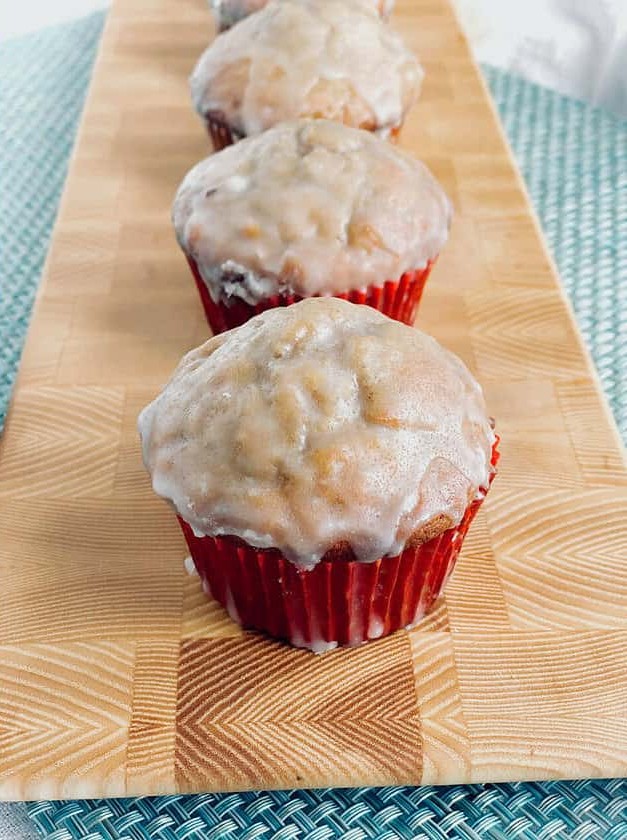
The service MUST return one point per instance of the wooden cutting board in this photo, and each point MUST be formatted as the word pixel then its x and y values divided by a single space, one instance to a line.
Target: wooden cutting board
pixel 117 675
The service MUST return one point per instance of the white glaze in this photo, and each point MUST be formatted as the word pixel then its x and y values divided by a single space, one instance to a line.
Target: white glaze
pixel 190 568
pixel 318 424
pixel 298 58
pixel 375 628
pixel 317 645
pixel 310 207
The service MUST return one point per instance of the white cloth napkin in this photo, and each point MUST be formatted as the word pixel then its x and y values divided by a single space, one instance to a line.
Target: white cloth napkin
pixel 578 47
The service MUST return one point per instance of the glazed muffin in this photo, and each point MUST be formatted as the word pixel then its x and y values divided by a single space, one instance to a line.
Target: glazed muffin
pixel 310 208
pixel 325 463
pixel 229 12
pixel 331 59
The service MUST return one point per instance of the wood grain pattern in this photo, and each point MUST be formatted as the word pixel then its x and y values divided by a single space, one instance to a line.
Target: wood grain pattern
pixel 117 674
pixel 251 711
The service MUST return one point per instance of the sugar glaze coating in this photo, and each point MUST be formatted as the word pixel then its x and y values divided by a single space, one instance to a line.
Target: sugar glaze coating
pixel 309 207
pixel 319 426
pixel 308 58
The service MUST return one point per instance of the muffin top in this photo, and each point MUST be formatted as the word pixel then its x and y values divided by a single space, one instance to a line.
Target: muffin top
pixel 316 427
pixel 229 12
pixel 309 207
pixel 308 58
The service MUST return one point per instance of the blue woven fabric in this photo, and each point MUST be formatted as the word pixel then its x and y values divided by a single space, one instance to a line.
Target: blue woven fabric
pixel 574 160
pixel 44 81
pixel 594 810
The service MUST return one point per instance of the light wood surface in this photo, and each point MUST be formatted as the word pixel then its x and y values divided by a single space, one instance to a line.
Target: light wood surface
pixel 117 675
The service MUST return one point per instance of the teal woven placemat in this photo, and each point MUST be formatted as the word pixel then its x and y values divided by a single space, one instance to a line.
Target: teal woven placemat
pixel 548 811
pixel 574 160
pixel 44 79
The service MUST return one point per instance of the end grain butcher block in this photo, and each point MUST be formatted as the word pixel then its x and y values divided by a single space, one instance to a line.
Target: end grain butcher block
pixel 117 675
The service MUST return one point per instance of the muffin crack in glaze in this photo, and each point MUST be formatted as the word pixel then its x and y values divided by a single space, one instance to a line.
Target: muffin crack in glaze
pixel 309 207
pixel 308 58
pixel 320 427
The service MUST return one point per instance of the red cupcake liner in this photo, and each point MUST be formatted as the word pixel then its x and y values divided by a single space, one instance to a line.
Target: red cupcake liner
pixel 338 602
pixel 398 299
pixel 220 132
